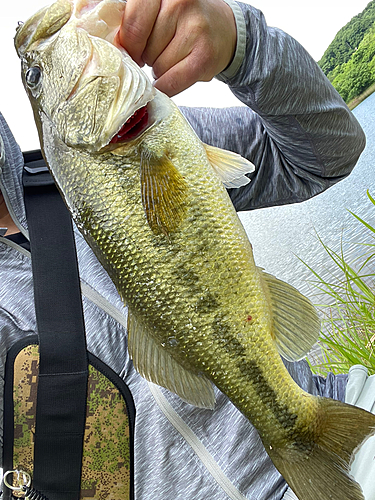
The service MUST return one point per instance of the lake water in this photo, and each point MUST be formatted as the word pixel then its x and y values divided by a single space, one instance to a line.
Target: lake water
pixel 283 235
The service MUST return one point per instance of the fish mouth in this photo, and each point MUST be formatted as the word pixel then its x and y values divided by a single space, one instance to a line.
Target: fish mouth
pixel 106 76
pixel 133 127
pixel 128 114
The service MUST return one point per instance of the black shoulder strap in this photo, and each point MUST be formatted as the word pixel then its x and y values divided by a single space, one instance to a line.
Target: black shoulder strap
pixel 62 384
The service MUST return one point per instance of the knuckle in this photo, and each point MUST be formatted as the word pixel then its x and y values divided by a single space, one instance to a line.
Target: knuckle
pixel 183 5
pixel 198 26
pixel 134 31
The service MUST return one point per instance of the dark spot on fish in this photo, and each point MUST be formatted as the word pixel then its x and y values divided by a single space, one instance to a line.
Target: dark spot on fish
pixel 187 275
pixel 223 334
pixel 206 303
pixel 302 444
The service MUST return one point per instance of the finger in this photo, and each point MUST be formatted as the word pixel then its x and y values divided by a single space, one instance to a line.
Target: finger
pixel 182 75
pixel 177 50
pixel 187 41
pixel 137 23
pixel 161 36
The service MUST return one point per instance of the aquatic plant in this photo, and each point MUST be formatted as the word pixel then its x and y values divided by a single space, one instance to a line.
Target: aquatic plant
pixel 348 324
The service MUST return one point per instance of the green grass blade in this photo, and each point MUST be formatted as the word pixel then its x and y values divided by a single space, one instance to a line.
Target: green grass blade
pixel 348 334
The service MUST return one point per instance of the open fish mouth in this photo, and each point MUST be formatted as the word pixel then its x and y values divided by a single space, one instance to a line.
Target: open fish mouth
pixel 128 115
pixel 128 92
pixel 101 99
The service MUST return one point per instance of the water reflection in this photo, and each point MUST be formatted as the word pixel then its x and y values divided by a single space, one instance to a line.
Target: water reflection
pixel 283 235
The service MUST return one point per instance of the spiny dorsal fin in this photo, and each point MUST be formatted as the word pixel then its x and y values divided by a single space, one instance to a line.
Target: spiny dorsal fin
pixel 164 192
pixel 229 166
pixel 295 320
pixel 155 363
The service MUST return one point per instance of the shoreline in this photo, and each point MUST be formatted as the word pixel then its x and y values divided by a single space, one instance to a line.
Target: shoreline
pixel 361 97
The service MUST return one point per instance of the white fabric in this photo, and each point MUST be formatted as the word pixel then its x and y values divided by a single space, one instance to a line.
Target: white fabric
pixel 290 495
pixel 360 391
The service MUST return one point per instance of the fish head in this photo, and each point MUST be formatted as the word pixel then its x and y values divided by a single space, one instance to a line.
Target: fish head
pixel 82 85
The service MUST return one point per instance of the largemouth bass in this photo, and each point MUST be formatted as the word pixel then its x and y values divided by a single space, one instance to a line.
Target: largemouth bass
pixel 150 199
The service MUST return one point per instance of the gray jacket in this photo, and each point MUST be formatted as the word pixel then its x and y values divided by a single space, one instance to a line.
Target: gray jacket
pixel 302 139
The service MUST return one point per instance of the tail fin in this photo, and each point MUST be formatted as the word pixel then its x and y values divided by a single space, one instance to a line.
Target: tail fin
pixel 322 473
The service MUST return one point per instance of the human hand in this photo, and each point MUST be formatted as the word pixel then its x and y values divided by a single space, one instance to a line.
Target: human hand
pixel 184 41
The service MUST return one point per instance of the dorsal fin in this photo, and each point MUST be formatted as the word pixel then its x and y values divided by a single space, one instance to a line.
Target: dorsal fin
pixel 296 324
pixel 155 363
pixel 230 167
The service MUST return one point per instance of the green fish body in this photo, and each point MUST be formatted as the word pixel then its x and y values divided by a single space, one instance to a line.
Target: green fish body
pixel 150 199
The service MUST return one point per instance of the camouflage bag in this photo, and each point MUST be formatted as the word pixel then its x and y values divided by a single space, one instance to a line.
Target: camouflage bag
pixel 107 457
pixel 68 418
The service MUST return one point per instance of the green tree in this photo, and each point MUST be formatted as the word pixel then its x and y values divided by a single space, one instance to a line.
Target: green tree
pixel 357 74
pixel 348 39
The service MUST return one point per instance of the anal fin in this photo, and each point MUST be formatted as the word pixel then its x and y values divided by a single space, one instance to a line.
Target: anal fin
pixel 156 364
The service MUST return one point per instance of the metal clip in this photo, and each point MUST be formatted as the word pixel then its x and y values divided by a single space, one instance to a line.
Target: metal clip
pixel 22 480
pixel 22 488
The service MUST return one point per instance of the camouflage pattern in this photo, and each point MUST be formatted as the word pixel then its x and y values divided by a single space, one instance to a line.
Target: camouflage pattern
pixel 106 454
pixel 25 388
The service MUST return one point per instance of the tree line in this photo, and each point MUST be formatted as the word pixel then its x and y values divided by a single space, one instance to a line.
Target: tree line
pixel 349 61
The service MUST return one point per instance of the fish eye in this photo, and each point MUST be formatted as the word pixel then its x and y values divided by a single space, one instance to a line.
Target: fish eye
pixel 33 77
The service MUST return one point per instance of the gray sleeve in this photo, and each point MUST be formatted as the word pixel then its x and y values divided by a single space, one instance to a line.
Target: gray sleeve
pixel 295 127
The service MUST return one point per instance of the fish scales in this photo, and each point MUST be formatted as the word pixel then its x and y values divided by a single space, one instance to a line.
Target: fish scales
pixel 207 319
pixel 205 313
pixel 153 207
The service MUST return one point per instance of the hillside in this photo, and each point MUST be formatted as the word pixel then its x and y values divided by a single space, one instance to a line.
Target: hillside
pixel 349 61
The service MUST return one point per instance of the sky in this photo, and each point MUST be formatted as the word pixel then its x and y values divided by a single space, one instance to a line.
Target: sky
pixel 313 24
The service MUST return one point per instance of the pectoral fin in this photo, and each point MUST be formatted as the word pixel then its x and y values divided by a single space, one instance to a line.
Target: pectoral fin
pixel 296 324
pixel 155 363
pixel 229 166
pixel 164 193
